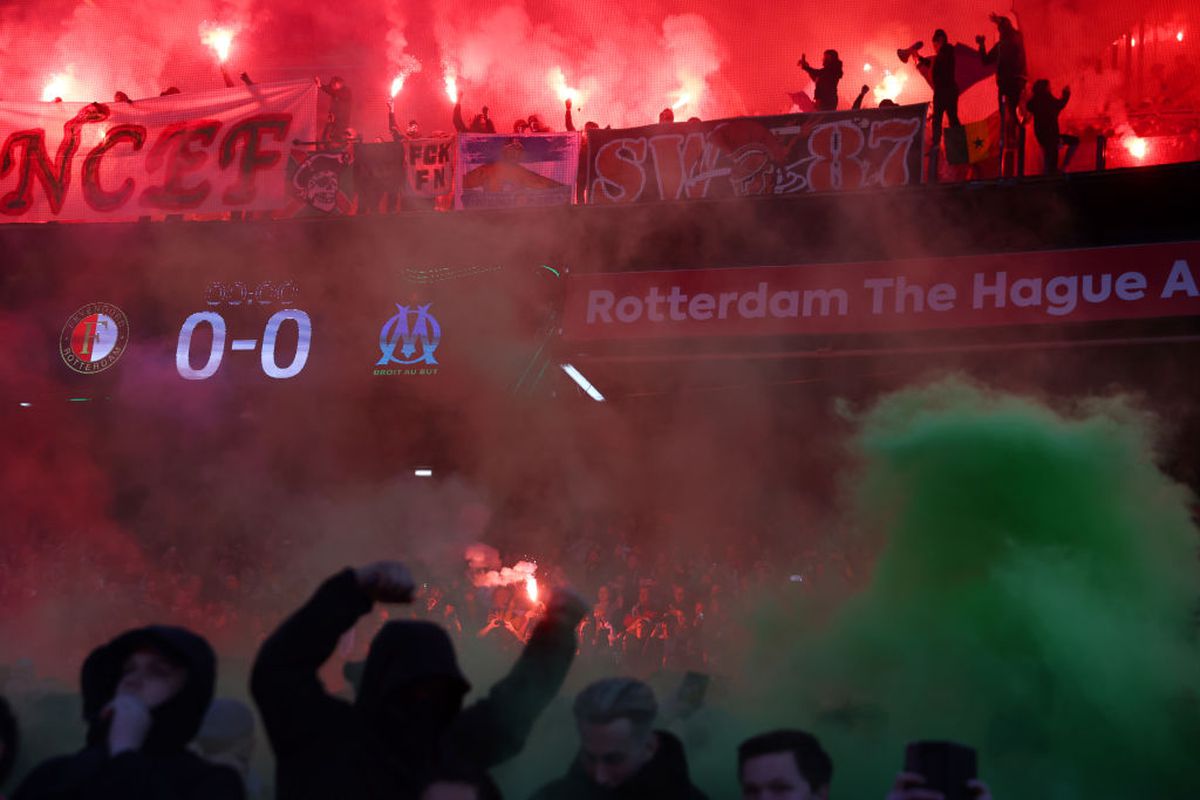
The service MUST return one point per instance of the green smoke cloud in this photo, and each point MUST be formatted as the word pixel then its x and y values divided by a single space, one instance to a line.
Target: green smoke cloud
pixel 1033 595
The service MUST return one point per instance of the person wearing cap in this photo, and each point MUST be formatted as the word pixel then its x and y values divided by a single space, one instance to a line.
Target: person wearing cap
pixel 407 720
pixel 144 697
pixel 621 755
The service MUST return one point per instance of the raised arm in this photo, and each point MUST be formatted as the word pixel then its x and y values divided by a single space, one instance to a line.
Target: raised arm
pixel 1066 98
pixel 459 125
pixel 284 682
pixel 495 729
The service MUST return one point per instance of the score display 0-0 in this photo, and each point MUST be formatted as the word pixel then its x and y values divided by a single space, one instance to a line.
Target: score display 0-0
pixel 266 346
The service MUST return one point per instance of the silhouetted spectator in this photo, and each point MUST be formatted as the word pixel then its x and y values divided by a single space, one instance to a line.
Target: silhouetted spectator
pixel 620 754
pixel 666 116
pixel 858 101
pixel 342 104
pixel 945 86
pixel 480 123
pixel 407 718
pixel 8 741
pixel 144 696
pixel 121 97
pixel 520 126
pixel 536 125
pixel 411 131
pixel 784 765
pixel 1008 54
pixel 826 79
pixel 1044 107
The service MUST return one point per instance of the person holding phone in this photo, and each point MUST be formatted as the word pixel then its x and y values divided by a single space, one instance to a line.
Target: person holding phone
pixel 939 771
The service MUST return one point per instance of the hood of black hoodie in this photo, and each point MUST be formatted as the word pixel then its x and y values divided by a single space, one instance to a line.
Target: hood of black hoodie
pixel 404 652
pixel 176 721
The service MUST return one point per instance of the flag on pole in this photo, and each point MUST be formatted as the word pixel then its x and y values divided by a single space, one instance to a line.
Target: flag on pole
pixel 969 68
pixel 974 142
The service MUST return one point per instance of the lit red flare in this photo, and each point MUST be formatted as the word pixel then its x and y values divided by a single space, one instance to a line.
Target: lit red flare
pixel 451 86
pixel 890 87
pixel 1137 147
pixel 558 81
pixel 481 557
pixel 57 87
pixel 218 37
pixel 397 85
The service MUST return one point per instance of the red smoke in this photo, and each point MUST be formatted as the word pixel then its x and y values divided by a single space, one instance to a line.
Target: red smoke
pixel 623 60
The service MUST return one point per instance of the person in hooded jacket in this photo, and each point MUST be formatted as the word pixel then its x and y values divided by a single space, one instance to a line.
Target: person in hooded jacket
pixel 144 696
pixel 1008 54
pixel 407 719
pixel 945 84
pixel 1044 107
pixel 826 79
pixel 621 756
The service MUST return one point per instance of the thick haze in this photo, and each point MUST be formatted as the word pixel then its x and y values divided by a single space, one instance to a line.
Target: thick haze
pixel 621 60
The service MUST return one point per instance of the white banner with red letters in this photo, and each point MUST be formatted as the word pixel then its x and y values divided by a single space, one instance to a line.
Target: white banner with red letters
pixel 201 153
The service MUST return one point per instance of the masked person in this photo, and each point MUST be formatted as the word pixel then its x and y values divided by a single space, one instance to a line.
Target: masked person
pixel 407 720
pixel 621 755
pixel 144 696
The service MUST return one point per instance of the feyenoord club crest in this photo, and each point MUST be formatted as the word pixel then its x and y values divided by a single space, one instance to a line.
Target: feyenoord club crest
pixel 94 338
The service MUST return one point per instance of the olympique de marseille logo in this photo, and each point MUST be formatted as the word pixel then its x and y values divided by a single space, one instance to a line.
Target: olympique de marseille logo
pixel 415 331
pixel 94 338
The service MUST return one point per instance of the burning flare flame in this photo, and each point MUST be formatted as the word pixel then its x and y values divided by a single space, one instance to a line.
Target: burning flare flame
pixel 890 87
pixel 483 560
pixel 397 85
pixel 1137 147
pixel 451 85
pixel 218 37
pixel 558 82
pixel 57 87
